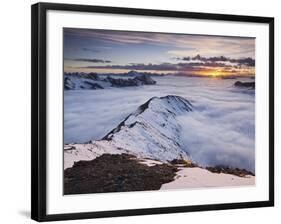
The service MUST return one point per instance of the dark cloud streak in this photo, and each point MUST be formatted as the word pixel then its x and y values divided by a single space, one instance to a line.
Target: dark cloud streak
pixel 240 61
pixel 92 60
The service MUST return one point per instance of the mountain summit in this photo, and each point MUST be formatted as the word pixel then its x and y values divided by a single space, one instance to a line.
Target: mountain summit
pixel 152 131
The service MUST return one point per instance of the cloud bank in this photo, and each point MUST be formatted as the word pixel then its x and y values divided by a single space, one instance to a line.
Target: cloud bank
pixel 220 130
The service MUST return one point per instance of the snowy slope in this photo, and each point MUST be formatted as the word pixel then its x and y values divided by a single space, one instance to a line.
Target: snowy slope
pixel 199 177
pixel 87 151
pixel 152 131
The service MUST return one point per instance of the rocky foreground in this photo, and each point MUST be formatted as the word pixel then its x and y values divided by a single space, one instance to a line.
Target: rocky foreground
pixel 116 173
pixel 125 172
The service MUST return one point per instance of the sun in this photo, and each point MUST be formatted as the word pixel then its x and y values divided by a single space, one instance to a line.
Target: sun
pixel 215 74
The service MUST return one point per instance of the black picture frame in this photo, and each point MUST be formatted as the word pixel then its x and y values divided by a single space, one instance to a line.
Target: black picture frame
pixel 39 107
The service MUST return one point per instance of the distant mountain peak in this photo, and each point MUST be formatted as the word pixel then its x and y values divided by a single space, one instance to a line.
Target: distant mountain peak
pixel 133 72
pixel 93 81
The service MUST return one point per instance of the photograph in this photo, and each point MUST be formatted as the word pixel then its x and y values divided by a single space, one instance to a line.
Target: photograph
pixel 148 111
pixel 141 111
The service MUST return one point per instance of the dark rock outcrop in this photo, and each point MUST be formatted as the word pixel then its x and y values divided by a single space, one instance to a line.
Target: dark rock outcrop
pixel 245 84
pixel 183 163
pixel 228 170
pixel 115 173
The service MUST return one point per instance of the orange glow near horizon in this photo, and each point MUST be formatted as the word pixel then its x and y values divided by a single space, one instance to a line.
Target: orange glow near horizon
pixel 211 72
pixel 215 74
pixel 218 72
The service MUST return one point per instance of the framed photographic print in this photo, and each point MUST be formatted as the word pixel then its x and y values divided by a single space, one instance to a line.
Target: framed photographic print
pixel 139 111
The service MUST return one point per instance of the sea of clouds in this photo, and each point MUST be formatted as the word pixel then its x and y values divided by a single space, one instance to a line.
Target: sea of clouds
pixel 219 131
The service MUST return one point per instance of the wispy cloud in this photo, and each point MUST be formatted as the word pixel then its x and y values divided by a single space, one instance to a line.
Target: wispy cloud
pixel 184 44
pixel 96 49
pixel 92 60
pixel 215 46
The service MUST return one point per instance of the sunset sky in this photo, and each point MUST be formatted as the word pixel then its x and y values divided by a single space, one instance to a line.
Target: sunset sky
pixel 104 51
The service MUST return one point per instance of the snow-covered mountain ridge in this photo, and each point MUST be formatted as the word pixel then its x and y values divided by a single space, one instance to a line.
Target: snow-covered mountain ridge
pixel 152 131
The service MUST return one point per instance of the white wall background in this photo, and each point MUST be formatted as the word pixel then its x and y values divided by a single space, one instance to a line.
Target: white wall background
pixel 15 110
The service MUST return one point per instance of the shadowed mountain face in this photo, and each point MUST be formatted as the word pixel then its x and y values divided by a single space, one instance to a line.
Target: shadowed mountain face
pixel 152 131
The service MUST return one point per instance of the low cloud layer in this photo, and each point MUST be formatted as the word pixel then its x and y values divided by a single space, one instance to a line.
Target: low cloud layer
pixel 220 130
